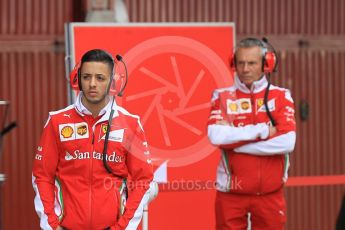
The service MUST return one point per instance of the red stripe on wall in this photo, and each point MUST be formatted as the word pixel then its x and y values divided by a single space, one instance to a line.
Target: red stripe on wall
pixel 301 181
pixel 315 180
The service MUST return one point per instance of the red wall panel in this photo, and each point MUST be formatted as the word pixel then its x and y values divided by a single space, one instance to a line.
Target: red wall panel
pixel 34 84
pixel 33 17
pixel 307 17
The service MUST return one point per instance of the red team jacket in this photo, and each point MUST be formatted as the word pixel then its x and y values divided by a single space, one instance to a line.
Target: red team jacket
pixel 73 189
pixel 252 162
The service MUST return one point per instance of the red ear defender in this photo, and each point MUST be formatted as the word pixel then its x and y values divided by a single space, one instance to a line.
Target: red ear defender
pixel 113 87
pixel 73 77
pixel 270 62
pixel 232 61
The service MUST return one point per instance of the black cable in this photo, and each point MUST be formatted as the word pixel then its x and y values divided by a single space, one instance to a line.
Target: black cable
pixel 105 148
pixel 273 122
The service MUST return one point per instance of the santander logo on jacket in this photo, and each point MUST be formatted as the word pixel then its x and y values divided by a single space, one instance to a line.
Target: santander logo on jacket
pixel 77 155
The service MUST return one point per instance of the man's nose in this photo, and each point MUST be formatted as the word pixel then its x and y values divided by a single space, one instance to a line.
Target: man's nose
pixel 93 82
pixel 245 67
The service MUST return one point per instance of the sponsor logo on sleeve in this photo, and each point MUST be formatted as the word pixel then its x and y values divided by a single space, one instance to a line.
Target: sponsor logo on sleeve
pixel 145 144
pixel 216 117
pixel 38 156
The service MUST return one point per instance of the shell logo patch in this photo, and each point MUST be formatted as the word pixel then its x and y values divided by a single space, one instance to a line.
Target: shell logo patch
pixel 67 131
pixel 233 107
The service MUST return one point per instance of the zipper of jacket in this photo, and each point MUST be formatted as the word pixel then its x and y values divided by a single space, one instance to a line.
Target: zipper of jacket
pixel 90 175
pixel 254 114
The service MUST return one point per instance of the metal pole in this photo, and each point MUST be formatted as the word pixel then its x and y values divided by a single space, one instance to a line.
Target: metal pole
pixel 152 192
pixel 2 176
pixel 146 218
pixel 2 179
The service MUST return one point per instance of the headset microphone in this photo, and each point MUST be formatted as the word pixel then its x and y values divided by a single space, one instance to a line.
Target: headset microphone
pixel 119 58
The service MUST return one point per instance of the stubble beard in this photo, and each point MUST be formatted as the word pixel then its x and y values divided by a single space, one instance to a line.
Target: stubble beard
pixel 95 101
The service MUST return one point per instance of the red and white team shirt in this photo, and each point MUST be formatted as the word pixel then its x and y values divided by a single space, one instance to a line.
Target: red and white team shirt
pixel 252 162
pixel 73 188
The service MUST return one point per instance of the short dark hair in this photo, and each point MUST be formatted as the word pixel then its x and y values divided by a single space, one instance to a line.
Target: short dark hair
pixel 98 55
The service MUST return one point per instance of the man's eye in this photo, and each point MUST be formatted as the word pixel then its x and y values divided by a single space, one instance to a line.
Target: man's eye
pixel 86 77
pixel 100 78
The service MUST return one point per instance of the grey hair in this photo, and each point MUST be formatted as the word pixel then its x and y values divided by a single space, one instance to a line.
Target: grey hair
pixel 252 42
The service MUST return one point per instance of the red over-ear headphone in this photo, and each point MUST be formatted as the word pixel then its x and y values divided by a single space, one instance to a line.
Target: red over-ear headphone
pixel 269 58
pixel 74 78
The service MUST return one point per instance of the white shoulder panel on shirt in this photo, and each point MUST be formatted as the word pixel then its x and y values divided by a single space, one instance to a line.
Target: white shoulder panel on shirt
pixel 216 92
pixel 125 112
pixel 62 110
pixel 287 92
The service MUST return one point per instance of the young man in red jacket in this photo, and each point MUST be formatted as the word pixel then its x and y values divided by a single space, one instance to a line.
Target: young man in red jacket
pixel 86 153
pixel 255 153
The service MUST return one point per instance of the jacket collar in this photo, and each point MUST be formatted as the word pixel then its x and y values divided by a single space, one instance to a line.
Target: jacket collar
pixel 105 112
pixel 257 86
